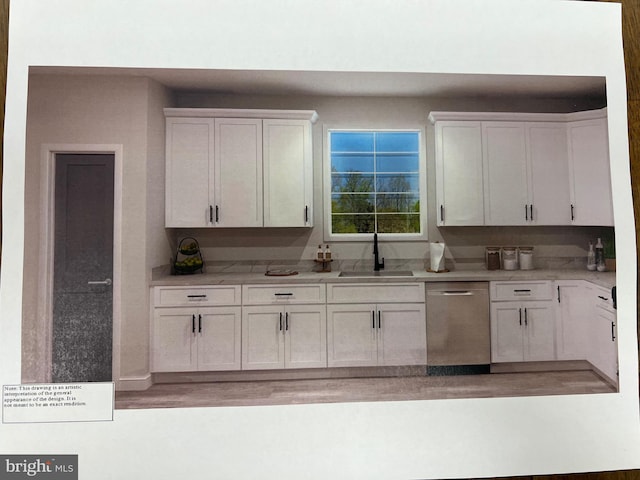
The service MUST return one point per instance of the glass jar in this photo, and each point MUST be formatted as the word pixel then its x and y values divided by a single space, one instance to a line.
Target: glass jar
pixel 492 258
pixel 509 258
pixel 526 258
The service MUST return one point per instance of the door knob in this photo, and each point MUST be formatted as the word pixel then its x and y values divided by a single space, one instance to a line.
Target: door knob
pixel 106 282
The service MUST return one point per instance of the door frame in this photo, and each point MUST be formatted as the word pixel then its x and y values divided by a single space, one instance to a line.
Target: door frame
pixel 47 230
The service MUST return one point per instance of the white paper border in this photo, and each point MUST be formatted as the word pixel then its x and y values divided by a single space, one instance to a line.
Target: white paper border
pixel 435 439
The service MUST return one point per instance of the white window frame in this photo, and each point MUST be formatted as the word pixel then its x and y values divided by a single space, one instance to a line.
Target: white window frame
pixel 329 236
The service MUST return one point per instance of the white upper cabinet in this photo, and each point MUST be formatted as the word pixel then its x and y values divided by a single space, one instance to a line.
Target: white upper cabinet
pixel 238 168
pixel 505 179
pixel 548 174
pixel 591 202
pixel 189 171
pixel 522 168
pixel 459 185
pixel 288 173
pixel 238 173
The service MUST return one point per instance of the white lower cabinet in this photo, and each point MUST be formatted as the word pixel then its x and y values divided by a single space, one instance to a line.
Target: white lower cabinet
pixel 376 334
pixel 603 353
pixel 284 326
pixel 187 339
pixel 522 330
pixel 573 324
pixel 195 328
pixel 292 336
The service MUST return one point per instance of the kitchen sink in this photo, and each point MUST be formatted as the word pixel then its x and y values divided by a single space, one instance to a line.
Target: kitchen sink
pixel 389 273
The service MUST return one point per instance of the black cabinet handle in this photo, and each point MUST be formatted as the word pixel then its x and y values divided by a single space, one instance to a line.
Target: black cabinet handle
pixel 193 324
pixel 196 296
pixel 442 213
pixel 378 318
pixel 558 293
pixel 199 323
pixel 373 319
pixel 525 317
pixel 306 214
pixel 210 214
pixel 526 212
pixel 572 217
pixel 280 321
pixel 520 315
pixel 286 321
pixel 531 212
pixel 613 335
pixel 217 214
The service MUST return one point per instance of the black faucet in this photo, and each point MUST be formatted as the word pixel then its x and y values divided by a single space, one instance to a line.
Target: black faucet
pixel 377 264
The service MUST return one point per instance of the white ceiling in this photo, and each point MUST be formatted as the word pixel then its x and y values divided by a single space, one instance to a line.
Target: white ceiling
pixel 274 82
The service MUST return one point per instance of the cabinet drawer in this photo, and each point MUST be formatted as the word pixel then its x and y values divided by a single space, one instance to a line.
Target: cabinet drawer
pixel 375 292
pixel 197 296
pixel 275 294
pixel 528 290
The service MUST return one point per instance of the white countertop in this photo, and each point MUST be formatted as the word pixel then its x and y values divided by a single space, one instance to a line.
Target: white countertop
pixel 604 279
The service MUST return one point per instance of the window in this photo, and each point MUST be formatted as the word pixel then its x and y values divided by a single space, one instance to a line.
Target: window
pixel 376 183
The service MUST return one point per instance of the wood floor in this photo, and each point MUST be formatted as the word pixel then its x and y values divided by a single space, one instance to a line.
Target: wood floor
pixel 337 390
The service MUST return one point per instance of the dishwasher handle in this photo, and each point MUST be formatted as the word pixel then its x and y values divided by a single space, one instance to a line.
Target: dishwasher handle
pixel 454 293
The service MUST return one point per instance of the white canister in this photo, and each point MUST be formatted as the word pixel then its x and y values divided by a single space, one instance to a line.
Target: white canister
pixel 509 258
pixel 526 258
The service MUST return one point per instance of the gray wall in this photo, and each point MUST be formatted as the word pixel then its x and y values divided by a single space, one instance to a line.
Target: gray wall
pixel 100 110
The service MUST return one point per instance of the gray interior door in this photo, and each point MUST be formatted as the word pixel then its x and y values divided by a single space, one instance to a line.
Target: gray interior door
pixel 83 268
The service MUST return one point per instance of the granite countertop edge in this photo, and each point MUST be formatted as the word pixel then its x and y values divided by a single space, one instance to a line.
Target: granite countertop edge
pixel 603 279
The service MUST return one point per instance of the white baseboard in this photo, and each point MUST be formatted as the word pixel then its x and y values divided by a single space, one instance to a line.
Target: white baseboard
pixel 130 384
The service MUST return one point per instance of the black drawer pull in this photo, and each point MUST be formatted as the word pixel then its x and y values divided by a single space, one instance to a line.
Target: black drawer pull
pixel 196 296
pixel 284 294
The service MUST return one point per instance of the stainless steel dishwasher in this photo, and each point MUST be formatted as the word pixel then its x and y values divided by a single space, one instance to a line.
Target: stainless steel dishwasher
pixel 458 328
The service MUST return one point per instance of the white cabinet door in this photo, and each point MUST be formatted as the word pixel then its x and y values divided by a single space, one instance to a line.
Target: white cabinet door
pixel 506 332
pixel 219 338
pixel 605 350
pixel 539 331
pixel 402 338
pixel 189 171
pixel 174 346
pixel 351 335
pixel 522 331
pixel 262 337
pixel 288 173
pixel 505 173
pixel 459 184
pixel 573 320
pixel 238 173
pixel 305 339
pixel 590 176
pixel 548 173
